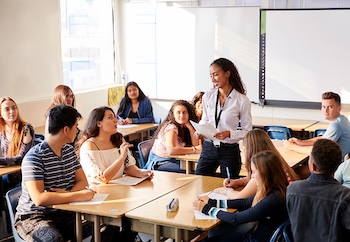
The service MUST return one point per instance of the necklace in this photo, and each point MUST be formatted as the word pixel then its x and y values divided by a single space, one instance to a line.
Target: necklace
pixel 99 140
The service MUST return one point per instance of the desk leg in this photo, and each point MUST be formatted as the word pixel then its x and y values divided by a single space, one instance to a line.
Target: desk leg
pixel 156 233
pixel 79 227
pixel 97 232
pixel 188 167
pixel 177 235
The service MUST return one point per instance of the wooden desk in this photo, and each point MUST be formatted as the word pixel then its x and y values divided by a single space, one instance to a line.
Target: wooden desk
pixel 317 125
pixel 9 170
pixel 293 158
pixel 123 199
pixel 137 131
pixel 294 124
pixel 153 217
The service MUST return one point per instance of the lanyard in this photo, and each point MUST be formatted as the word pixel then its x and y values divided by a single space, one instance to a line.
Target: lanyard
pixel 217 117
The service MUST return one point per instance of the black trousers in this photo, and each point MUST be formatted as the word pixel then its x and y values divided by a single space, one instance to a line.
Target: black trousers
pixel 225 155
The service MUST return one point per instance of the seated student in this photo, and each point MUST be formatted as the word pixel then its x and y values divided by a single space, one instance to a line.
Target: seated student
pixel 197 103
pixel 16 138
pixel 51 174
pixel 104 154
pixel 62 95
pixel 339 127
pixel 255 141
pixel 135 107
pixel 259 215
pixel 342 174
pixel 318 207
pixel 174 136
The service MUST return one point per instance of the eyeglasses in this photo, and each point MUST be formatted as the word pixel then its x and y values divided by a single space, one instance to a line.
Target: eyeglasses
pixel 70 96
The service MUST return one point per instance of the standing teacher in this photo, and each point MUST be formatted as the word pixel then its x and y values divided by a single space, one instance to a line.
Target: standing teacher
pixel 228 108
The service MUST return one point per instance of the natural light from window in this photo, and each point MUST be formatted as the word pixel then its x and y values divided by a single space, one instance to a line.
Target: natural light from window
pixel 87 43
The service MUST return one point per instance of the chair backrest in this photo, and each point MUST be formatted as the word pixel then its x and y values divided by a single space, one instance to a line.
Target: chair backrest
pixel 278 132
pixel 283 233
pixel 144 147
pixel 38 138
pixel 319 132
pixel 12 198
pixel 157 120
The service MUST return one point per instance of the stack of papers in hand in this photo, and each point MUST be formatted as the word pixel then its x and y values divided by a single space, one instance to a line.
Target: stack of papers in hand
pixel 207 130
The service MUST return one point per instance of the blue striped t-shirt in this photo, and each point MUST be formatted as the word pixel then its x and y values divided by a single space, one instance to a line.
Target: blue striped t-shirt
pixel 41 163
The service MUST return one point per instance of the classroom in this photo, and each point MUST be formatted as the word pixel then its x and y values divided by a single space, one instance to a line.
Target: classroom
pixel 166 46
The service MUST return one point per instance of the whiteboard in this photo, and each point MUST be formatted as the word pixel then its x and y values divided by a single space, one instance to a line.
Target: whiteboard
pixel 189 39
pixel 307 53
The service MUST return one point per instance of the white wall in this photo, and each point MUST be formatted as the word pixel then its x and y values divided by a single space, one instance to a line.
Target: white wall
pixel 30 65
pixel 30 53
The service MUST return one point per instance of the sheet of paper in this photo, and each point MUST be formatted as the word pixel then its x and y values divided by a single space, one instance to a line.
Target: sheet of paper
pixel 207 130
pixel 96 200
pixel 128 180
pixel 214 195
pixel 125 126
pixel 201 216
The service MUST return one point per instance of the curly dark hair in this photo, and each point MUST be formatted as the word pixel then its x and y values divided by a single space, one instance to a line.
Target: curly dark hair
pixel 184 133
pixel 234 78
pixel 327 156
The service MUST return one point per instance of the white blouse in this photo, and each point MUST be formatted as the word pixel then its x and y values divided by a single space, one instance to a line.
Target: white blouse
pixel 95 162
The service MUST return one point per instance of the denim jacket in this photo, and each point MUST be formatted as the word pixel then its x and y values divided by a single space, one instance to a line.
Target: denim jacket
pixel 319 209
pixel 145 112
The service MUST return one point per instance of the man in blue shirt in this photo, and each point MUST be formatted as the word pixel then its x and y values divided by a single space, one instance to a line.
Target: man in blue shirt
pixel 339 127
pixel 318 207
pixel 52 174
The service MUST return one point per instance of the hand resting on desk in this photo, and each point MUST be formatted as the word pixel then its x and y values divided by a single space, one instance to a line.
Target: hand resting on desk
pixel 301 149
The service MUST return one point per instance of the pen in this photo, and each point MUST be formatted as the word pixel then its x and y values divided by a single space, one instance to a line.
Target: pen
pixel 228 174
pixel 89 188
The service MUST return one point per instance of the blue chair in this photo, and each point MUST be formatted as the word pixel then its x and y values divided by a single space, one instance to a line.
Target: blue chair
pixel 319 132
pixel 278 132
pixel 38 138
pixel 157 120
pixel 12 198
pixel 283 233
pixel 144 148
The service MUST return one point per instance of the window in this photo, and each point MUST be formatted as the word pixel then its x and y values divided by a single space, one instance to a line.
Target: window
pixel 87 43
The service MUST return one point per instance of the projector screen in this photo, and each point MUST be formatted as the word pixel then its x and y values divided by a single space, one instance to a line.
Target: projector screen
pixel 304 53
